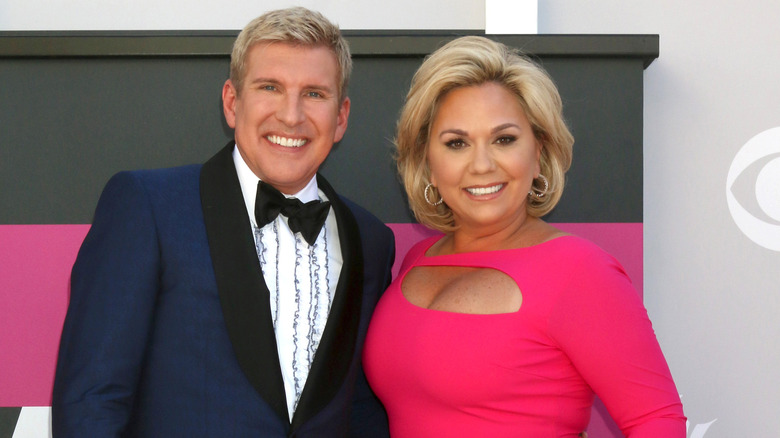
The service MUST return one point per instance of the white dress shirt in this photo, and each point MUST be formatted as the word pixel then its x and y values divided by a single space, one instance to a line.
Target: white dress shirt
pixel 301 280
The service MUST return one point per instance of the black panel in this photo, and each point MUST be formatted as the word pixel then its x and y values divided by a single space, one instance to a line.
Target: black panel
pixel 602 101
pixel 361 166
pixel 72 116
pixel 8 420
pixel 362 43
pixel 69 124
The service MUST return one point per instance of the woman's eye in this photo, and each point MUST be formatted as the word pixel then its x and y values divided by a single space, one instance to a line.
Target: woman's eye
pixel 455 143
pixel 507 139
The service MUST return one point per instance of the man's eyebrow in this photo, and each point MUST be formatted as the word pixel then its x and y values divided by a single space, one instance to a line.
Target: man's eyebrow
pixel 264 81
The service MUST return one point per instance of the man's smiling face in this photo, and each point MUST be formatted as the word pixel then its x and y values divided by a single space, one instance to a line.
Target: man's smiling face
pixel 288 114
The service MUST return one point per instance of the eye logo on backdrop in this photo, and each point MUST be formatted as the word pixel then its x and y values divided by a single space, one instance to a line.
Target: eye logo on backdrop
pixel 753 189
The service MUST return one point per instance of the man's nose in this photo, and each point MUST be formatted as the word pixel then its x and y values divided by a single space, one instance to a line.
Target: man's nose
pixel 290 111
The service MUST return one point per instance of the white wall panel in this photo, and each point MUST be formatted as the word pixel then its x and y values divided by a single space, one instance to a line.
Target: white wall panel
pixel 712 292
pixel 215 14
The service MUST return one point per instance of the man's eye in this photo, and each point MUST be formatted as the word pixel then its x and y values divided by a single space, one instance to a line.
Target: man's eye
pixel 315 94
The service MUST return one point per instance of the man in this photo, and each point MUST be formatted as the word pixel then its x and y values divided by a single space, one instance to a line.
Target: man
pixel 197 310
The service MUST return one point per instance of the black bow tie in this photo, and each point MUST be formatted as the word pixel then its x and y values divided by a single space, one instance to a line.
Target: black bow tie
pixel 305 218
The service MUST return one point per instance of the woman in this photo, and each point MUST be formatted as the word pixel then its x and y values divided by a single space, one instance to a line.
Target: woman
pixel 505 326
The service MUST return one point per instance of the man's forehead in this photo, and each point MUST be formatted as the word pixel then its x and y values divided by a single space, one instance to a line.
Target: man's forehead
pixel 284 62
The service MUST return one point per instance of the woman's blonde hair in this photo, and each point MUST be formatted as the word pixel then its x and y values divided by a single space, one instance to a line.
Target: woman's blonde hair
pixel 297 26
pixel 471 61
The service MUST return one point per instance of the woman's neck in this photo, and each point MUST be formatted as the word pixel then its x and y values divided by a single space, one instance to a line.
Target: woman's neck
pixel 528 232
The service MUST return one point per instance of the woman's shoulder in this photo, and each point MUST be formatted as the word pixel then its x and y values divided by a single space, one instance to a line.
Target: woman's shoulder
pixel 578 256
pixel 418 250
pixel 574 246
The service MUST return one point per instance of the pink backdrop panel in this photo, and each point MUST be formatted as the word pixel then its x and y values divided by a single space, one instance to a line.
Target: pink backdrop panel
pixel 35 263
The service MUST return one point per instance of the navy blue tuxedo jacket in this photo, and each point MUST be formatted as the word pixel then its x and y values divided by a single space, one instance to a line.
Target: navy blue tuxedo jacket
pixel 168 331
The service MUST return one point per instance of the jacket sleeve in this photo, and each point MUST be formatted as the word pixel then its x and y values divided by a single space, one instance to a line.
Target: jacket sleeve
pixel 369 419
pixel 113 289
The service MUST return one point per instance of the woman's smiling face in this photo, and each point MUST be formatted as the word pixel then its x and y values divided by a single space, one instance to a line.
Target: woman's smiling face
pixel 483 156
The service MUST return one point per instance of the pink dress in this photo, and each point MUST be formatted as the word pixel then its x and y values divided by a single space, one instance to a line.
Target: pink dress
pixel 581 329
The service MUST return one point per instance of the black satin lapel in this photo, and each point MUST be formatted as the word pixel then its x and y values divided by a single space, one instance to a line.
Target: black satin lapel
pixel 337 346
pixel 242 290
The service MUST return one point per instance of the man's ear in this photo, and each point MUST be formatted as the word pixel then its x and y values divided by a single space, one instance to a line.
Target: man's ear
pixel 229 97
pixel 341 120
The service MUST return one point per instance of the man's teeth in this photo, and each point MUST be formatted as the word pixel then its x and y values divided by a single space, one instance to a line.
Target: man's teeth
pixel 286 142
pixel 484 190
